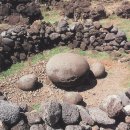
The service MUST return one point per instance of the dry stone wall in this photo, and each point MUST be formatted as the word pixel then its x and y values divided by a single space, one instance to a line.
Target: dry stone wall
pixel 20 42
pixel 111 114
pixel 19 11
pixel 124 10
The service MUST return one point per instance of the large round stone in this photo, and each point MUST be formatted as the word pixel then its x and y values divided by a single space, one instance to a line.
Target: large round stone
pixel 67 69
pixel 27 82
pixel 98 70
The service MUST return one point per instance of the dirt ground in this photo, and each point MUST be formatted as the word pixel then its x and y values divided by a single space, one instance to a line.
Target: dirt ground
pixel 115 82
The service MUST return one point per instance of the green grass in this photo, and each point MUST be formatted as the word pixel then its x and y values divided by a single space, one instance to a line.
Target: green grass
pixel 94 54
pixel 36 107
pixel 51 16
pixel 121 23
pixel 15 68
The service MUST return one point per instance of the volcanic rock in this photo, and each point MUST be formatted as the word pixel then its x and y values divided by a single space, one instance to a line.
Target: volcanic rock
pixel 74 127
pixel 70 114
pixel 9 112
pixel 100 116
pixel 85 116
pixel 51 112
pixel 112 105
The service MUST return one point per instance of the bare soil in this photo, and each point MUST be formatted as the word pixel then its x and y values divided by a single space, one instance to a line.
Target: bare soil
pixel 114 83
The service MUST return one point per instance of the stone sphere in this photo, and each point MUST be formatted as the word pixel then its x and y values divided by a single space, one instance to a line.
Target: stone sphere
pixel 27 82
pixel 67 69
pixel 72 98
pixel 98 70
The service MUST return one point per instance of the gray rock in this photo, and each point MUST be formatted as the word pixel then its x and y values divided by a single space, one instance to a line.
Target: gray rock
pixel 33 117
pixel 54 36
pixel 3 126
pixel 22 125
pixel 112 105
pixel 27 82
pixel 95 127
pixel 54 128
pixel 100 116
pixel 86 127
pixel 37 127
pixel 51 112
pixel 85 116
pixel 121 34
pixel 7 41
pixel 124 99
pixel 123 126
pixel 114 30
pixel 110 37
pixel 70 114
pixel 126 109
pixel 74 127
pixel 92 39
pixel 72 98
pixel 9 112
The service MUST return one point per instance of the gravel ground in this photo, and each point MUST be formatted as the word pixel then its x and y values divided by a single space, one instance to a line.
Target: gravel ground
pixel 114 83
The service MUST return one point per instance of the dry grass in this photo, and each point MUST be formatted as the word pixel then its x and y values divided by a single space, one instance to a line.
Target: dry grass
pixel 4 26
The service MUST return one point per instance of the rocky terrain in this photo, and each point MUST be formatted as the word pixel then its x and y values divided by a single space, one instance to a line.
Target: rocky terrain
pixel 19 12
pixel 62 113
pixel 70 91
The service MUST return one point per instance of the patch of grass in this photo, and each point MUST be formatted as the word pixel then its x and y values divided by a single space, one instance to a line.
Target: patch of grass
pixel 94 54
pixel 15 68
pixel 51 16
pixel 36 107
pixel 52 52
pixel 4 26
pixel 98 55
pixel 121 23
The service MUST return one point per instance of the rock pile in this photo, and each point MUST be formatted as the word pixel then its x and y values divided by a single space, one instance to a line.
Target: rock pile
pixel 20 42
pixel 111 114
pixel 21 11
pixel 124 10
pixel 79 9
pixel 83 10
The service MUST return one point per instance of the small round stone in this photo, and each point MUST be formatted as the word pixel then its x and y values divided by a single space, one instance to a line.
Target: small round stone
pixel 98 70
pixel 27 82
pixel 72 98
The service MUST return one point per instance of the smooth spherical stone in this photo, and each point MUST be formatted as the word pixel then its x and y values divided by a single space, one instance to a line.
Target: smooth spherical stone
pixel 67 69
pixel 98 69
pixel 27 82
pixel 72 98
